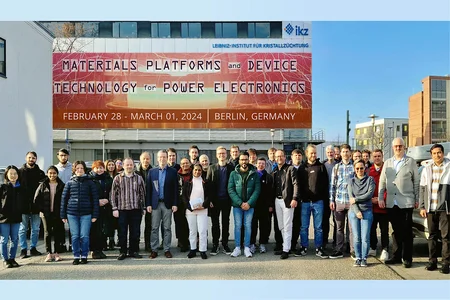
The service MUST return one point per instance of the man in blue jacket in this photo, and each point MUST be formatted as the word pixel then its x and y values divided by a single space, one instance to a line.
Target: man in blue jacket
pixel 244 188
pixel 161 202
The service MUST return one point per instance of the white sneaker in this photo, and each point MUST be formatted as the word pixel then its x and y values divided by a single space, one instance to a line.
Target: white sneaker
pixel 236 252
pixel 373 252
pixel 262 248
pixel 384 255
pixel 252 248
pixel 247 252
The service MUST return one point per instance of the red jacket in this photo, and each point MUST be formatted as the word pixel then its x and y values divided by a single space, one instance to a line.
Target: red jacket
pixel 376 176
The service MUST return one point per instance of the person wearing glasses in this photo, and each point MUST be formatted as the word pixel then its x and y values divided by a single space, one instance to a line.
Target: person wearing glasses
pixel 244 187
pixel 400 179
pixel 360 191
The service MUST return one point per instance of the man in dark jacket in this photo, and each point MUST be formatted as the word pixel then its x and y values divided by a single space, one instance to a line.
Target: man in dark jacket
pixel 30 177
pixel 217 176
pixel 142 170
pixel 244 188
pixel 264 206
pixel 313 184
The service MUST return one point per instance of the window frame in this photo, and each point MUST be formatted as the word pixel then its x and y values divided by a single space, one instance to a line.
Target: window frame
pixel 3 74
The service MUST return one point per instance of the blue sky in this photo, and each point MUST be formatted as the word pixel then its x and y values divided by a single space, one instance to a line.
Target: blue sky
pixel 372 67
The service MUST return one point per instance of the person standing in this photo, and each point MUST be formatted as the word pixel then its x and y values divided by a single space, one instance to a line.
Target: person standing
pixel 312 178
pixel 30 177
pixel 434 205
pixel 127 200
pixel 360 190
pixel 195 190
pixel 339 198
pixel 48 199
pixel 264 206
pixel 400 179
pixel 64 167
pixel 79 207
pixel 142 169
pixel 287 194
pixel 181 223
pixel 329 165
pixel 297 161
pixel 234 155
pixel 244 187
pixel 100 229
pixel 162 201
pixel 11 200
pixel 380 216
pixel 220 206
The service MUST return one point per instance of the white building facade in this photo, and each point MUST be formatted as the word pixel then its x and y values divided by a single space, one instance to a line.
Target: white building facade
pixel 25 93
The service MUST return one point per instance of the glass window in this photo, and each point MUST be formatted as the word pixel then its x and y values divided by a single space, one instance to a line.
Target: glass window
pixel 143 30
pixel 275 29
pixel 195 30
pixel 251 30
pixel 358 131
pixel 365 142
pixel 242 29
pixel 175 30
pixel 90 29
pixel 105 29
pixel 438 130
pixel 125 29
pixel 365 130
pixel 438 89
pixel 438 110
pixel 2 57
pixel 262 30
pixel 184 30
pixel 164 30
pixel 208 30
pixel 219 30
pixel 398 128
pixel 229 30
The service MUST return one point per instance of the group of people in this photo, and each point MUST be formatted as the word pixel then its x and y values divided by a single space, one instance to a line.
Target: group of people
pixel 358 193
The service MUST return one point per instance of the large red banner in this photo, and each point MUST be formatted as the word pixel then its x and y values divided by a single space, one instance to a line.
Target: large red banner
pixel 182 90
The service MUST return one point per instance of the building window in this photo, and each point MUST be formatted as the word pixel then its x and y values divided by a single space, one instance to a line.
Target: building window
pixel 365 130
pixel 438 110
pixel 2 57
pixel 438 89
pixel 358 131
pixel 262 30
pixel 143 30
pixel 439 130
pixel 275 30
pixel 208 30
pixel 105 29
pixel 125 29
pixel 365 142
pixel 229 30
pixel 398 128
pixel 191 30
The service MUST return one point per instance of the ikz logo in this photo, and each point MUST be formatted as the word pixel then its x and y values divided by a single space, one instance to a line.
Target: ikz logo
pixel 297 30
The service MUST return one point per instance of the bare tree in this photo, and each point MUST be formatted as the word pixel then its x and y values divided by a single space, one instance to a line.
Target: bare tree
pixel 69 36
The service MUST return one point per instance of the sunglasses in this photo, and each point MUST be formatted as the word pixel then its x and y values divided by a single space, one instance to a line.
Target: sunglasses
pixel 357 169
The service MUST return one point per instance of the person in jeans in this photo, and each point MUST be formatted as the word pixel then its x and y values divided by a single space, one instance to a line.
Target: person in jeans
pixel 360 191
pixel 339 198
pixel 11 201
pixel 244 187
pixel 30 177
pixel 197 216
pixel 79 207
pixel 48 200
pixel 434 206
pixel 313 185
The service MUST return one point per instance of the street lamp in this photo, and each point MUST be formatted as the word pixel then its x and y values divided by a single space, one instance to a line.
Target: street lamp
pixel 272 134
pixel 103 143
pixel 373 116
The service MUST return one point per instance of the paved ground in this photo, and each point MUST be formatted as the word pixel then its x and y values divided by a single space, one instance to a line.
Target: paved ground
pixel 221 267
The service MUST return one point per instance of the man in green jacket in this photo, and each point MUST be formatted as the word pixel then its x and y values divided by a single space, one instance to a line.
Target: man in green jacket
pixel 244 188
